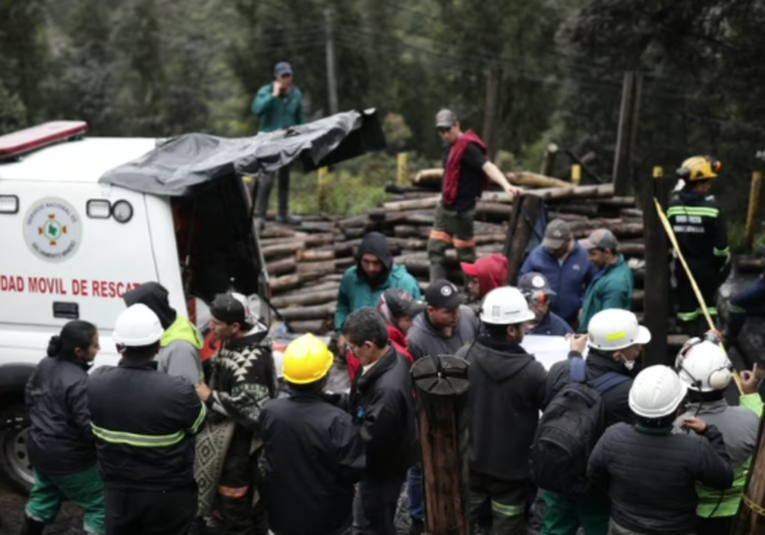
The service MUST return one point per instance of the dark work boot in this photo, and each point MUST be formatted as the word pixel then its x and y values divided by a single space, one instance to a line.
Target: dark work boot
pixel 437 272
pixel 32 527
pixel 284 216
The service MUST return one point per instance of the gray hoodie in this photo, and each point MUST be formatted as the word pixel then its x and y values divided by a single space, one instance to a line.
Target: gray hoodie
pixel 425 340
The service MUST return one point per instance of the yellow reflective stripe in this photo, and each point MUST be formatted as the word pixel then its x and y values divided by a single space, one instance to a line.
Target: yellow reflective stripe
pixel 139 441
pixel 507 510
pixel 734 309
pixel 721 252
pixel 688 316
pixel 200 419
pixel 693 210
pixel 616 336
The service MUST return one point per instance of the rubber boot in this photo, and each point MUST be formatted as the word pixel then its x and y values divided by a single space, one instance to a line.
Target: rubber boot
pixel 437 272
pixel 32 527
pixel 284 216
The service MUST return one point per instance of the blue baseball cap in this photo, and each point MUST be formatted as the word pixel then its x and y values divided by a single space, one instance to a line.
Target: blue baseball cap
pixel 282 68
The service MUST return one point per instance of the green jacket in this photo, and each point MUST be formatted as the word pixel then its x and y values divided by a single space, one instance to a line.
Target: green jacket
pixel 179 351
pixel 280 112
pixel 355 293
pixel 610 288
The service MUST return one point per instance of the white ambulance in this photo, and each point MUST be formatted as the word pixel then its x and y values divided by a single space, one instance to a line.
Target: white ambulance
pixel 72 247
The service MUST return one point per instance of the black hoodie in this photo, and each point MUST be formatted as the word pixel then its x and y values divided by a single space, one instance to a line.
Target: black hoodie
pixel 376 244
pixel 507 392
pixel 154 296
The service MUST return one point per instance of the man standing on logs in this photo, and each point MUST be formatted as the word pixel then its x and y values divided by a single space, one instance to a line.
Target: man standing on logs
pixel 466 175
pixel 364 283
pixel 699 226
pixel 612 285
pixel 507 392
pixel 382 405
pixel 444 327
pixel 564 263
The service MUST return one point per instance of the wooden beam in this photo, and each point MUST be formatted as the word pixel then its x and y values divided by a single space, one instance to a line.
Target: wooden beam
pixel 441 386
pixel 526 211
pixel 625 141
pixel 750 520
pixel 656 301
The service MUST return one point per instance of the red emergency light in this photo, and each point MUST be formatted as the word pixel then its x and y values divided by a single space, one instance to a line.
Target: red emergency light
pixel 37 137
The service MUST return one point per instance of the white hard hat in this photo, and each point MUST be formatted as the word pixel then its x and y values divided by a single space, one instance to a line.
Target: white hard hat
pixel 505 306
pixel 704 366
pixel 137 326
pixel 613 329
pixel 656 392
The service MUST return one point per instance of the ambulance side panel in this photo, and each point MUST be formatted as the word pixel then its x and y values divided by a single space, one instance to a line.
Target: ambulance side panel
pixel 39 295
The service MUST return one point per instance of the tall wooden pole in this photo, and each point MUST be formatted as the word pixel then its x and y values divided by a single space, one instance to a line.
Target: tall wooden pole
pixel 754 208
pixel 751 512
pixel 523 218
pixel 492 110
pixel 331 68
pixel 656 301
pixel 625 141
pixel 441 386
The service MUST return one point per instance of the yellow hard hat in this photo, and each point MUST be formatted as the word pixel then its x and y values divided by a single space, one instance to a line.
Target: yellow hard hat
pixel 699 168
pixel 306 360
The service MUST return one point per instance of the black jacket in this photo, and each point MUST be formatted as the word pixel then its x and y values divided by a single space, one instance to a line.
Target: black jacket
pixel 651 475
pixel 313 456
pixel 616 400
pixel 381 404
pixel 699 226
pixel 144 422
pixel 507 391
pixel 60 439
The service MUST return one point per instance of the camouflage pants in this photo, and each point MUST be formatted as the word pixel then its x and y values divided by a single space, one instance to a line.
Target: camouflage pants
pixel 450 228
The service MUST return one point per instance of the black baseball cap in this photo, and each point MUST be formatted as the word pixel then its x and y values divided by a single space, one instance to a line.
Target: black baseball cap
pixel 232 308
pixel 443 294
pixel 401 303
pixel 535 281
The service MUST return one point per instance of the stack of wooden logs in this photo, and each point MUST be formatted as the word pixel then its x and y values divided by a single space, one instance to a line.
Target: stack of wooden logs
pixel 306 265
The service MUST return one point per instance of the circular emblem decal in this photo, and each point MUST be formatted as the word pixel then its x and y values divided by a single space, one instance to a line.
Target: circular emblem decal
pixel 52 229
pixel 446 291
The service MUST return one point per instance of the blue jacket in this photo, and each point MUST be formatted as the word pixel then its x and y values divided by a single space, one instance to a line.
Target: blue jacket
pixel 569 280
pixel 611 288
pixel 551 325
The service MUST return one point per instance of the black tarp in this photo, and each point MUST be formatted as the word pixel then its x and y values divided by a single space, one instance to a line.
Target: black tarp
pixel 178 165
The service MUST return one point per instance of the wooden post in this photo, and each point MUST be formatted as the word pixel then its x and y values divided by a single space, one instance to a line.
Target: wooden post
pixel 441 386
pixel 523 218
pixel 751 512
pixel 656 304
pixel 490 119
pixel 625 141
pixel 754 208
pixel 551 151
pixel 576 175
pixel 323 187
pixel 402 174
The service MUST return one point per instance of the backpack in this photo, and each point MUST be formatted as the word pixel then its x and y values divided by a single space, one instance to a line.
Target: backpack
pixel 568 431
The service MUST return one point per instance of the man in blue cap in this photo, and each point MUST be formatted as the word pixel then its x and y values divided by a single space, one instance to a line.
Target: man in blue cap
pixel 279 106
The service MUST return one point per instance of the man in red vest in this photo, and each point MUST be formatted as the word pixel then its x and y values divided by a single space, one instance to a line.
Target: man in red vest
pixel 466 174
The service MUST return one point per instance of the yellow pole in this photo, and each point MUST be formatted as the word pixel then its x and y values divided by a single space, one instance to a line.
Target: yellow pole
pixel 754 208
pixel 658 172
pixel 402 175
pixel 576 174
pixel 323 187
pixel 699 297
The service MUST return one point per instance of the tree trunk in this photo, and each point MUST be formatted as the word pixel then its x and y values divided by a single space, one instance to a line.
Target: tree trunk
pixel 281 267
pixel 313 255
pixel 441 387
pixel 318 312
pixel 533 180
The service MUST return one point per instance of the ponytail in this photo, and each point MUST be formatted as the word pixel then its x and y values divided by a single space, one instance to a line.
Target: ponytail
pixel 55 346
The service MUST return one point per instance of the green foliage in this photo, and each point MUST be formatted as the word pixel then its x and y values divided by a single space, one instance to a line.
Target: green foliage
pixel 12 112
